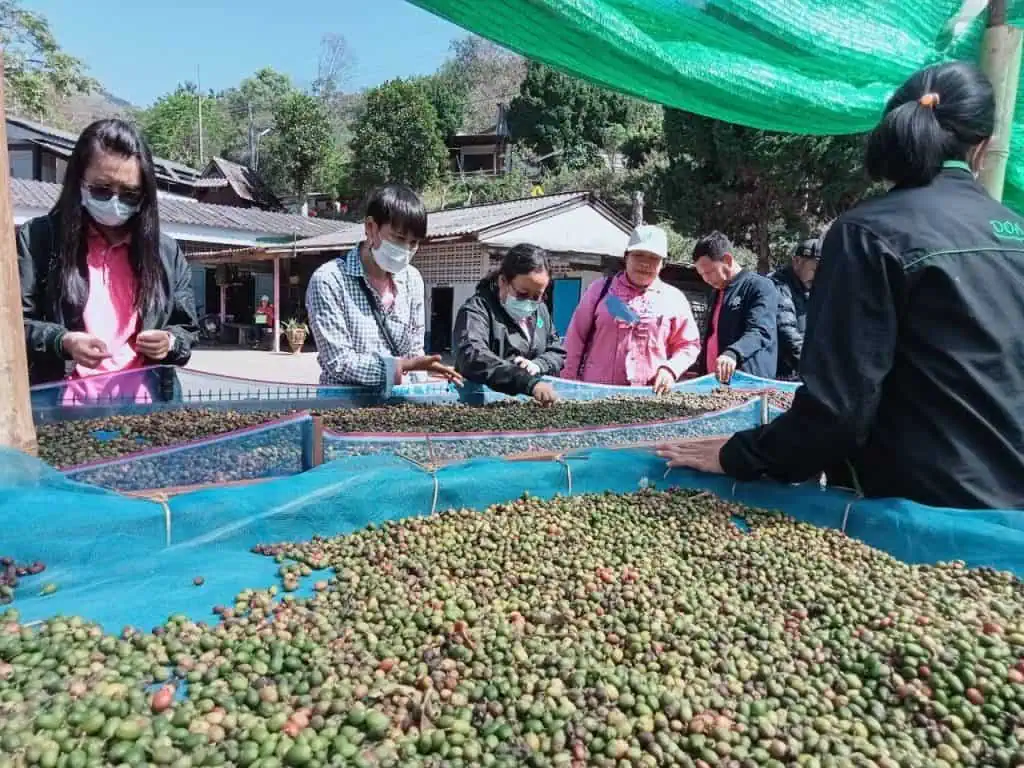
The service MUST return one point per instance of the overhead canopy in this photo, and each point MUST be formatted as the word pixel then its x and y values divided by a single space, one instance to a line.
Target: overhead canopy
pixel 801 66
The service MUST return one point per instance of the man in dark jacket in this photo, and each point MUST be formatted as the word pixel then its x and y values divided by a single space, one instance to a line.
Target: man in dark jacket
pixel 793 283
pixel 741 333
pixel 510 354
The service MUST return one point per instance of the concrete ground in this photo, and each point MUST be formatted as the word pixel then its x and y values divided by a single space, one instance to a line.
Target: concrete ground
pixel 259 365
pixel 255 364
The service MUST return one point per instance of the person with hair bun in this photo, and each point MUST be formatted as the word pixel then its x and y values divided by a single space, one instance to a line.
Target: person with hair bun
pixel 503 333
pixel 913 363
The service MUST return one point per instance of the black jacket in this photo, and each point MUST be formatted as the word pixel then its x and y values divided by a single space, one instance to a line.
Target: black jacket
pixel 487 339
pixel 746 325
pixel 48 318
pixel 791 320
pixel 913 363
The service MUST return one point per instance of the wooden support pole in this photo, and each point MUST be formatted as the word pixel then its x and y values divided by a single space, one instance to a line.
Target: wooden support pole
pixel 317 448
pixel 277 304
pixel 1000 60
pixel 16 428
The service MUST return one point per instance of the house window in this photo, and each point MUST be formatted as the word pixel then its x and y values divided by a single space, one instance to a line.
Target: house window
pixel 21 164
pixel 52 168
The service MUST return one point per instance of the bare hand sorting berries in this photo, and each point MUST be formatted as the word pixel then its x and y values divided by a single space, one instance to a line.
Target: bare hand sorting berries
pixel 154 345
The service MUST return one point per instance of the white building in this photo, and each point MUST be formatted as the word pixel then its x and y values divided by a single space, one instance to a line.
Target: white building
pixel 465 244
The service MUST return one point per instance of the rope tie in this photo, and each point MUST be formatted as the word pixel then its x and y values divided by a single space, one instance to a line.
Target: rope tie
pixel 568 471
pixel 858 494
pixel 162 499
pixel 846 516
pixel 437 490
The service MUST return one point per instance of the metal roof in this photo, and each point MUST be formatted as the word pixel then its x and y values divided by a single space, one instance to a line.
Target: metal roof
pixel 175 169
pixel 470 221
pixel 209 183
pixel 246 183
pixel 41 195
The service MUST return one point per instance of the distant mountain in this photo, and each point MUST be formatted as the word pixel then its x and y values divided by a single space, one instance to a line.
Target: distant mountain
pixel 83 108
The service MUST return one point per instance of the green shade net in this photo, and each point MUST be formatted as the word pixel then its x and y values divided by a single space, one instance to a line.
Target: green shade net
pixel 801 66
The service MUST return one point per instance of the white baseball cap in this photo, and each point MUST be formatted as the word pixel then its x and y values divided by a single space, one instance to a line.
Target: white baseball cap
pixel 650 239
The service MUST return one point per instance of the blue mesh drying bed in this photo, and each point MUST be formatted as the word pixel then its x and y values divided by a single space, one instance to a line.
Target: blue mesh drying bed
pixel 170 387
pixel 122 560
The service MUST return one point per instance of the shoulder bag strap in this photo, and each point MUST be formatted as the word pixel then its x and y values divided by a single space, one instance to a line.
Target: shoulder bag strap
pixel 593 326
pixel 378 316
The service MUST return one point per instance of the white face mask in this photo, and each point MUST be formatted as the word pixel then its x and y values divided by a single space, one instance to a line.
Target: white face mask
pixel 108 213
pixel 392 258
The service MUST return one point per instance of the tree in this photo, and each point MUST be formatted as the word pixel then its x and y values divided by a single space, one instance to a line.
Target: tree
pixel 334 68
pixel 37 72
pixel 301 140
pixel 571 122
pixel 762 188
pixel 491 76
pixel 171 126
pixel 332 175
pixel 448 96
pixel 256 97
pixel 397 138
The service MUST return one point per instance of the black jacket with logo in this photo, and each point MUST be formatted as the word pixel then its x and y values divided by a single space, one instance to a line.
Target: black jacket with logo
pixel 791 320
pixel 48 317
pixel 487 339
pixel 746 325
pixel 913 363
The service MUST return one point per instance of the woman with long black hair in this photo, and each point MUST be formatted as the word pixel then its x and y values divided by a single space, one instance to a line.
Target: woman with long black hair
pixel 913 364
pixel 102 290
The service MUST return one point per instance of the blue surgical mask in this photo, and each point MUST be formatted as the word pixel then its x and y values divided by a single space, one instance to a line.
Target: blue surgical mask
pixel 108 213
pixel 520 309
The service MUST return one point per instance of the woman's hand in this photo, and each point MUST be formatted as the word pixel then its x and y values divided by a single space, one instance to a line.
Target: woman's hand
pixel 544 393
pixel 154 345
pixel 528 365
pixel 664 381
pixel 85 349
pixel 700 454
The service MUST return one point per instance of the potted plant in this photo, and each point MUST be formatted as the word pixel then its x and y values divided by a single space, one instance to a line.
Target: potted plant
pixel 296 333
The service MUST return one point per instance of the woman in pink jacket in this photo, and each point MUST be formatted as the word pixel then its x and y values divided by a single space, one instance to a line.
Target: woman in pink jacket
pixel 633 329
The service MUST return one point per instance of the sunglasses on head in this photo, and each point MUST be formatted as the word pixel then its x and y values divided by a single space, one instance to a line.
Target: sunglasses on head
pixel 103 192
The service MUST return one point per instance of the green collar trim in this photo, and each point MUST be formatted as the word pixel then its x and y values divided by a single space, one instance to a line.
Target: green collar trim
pixel 958 164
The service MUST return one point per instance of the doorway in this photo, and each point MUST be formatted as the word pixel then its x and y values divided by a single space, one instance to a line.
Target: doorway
pixel 565 297
pixel 442 303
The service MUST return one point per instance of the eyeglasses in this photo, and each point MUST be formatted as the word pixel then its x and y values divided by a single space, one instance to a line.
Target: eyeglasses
pixel 103 192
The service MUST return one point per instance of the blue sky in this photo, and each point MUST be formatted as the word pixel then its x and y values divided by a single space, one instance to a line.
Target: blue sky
pixel 141 49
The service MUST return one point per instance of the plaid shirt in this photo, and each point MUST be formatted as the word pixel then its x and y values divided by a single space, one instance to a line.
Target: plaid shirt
pixel 351 349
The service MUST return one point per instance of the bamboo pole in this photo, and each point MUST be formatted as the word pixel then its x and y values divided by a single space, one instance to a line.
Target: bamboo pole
pixel 16 427
pixel 1000 60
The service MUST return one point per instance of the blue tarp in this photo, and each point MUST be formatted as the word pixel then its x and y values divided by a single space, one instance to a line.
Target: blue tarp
pixel 124 561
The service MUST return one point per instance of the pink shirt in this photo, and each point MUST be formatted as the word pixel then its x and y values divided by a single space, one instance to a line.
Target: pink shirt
pixel 666 335
pixel 385 288
pixel 110 315
pixel 712 355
